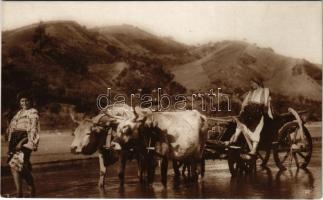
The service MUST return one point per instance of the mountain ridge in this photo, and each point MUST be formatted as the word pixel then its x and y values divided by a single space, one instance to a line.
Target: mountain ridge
pixel 66 62
pixel 234 63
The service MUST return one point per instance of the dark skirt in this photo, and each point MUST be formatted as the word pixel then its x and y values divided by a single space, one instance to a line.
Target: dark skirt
pixel 16 137
pixel 251 115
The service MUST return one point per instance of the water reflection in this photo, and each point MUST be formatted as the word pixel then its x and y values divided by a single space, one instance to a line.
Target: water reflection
pixel 262 176
pixel 122 192
pixel 218 183
pixel 262 184
pixel 164 194
pixel 288 183
pixel 102 192
pixel 304 176
pixel 296 182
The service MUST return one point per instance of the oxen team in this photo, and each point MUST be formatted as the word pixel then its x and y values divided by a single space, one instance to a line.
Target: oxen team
pixel 122 133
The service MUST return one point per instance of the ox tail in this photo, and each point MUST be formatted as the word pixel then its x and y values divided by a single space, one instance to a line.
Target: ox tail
pixel 204 125
pixel 203 134
pixel 203 138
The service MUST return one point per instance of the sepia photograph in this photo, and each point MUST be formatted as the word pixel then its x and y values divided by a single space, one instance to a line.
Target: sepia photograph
pixel 161 99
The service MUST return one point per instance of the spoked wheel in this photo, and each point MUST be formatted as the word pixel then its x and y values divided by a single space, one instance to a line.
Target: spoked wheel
pixel 292 147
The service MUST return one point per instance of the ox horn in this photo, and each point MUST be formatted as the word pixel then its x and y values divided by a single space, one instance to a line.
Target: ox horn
pixel 72 115
pixel 135 113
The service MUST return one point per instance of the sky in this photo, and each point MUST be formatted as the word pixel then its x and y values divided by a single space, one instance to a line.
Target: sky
pixel 290 28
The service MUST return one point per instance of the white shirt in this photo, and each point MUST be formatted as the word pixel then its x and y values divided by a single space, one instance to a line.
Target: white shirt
pixel 261 96
pixel 27 120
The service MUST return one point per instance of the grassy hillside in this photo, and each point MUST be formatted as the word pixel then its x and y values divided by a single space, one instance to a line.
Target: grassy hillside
pixel 141 43
pixel 231 64
pixel 65 63
pixel 134 38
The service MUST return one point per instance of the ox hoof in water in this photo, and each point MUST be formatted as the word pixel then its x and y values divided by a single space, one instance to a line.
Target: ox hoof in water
pixel 101 184
pixel 101 179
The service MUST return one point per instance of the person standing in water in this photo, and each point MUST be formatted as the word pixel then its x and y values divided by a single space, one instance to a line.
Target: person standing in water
pixel 23 138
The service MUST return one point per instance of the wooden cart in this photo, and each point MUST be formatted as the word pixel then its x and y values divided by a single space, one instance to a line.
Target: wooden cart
pixel 285 136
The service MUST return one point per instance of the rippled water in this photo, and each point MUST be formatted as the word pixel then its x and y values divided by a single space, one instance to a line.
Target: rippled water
pixel 217 183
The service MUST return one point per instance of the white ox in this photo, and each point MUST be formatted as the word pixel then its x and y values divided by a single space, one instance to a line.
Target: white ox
pixel 181 136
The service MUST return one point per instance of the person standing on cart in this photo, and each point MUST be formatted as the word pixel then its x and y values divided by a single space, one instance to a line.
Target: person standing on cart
pixel 256 108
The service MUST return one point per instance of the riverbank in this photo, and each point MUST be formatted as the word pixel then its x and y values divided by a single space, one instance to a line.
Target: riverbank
pixel 54 149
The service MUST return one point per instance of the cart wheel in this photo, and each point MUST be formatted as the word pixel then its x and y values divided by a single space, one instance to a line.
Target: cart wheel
pixel 234 159
pixel 263 157
pixel 291 148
